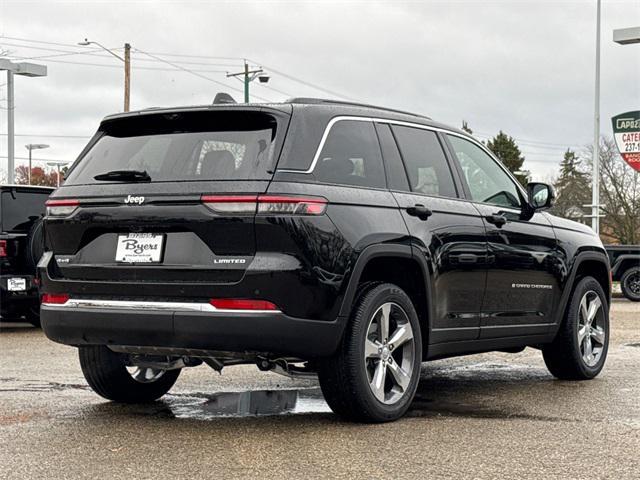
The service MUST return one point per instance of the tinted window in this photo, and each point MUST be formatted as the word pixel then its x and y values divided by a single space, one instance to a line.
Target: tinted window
pixel 19 209
pixel 487 181
pixel 351 156
pixel 424 159
pixel 396 176
pixel 220 146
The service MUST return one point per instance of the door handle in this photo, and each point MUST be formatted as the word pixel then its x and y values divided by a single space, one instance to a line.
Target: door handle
pixel 420 211
pixel 497 220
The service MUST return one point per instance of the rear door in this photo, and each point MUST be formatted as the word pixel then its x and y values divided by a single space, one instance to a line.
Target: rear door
pixel 194 218
pixel 522 287
pixel 445 230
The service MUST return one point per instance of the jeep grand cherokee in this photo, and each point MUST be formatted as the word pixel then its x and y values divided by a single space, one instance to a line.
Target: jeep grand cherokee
pixel 310 237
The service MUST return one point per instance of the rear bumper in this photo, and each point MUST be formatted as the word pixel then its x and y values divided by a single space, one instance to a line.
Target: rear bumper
pixel 242 331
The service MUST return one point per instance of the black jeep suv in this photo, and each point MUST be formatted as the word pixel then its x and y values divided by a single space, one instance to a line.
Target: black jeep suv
pixel 21 245
pixel 310 237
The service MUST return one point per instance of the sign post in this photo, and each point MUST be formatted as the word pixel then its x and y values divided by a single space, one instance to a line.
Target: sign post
pixel 626 130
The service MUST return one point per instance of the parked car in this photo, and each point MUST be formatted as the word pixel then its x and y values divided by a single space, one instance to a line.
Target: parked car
pixel 21 245
pixel 310 237
pixel 625 268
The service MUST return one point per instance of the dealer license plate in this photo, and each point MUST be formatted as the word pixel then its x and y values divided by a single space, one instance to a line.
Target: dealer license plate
pixel 139 248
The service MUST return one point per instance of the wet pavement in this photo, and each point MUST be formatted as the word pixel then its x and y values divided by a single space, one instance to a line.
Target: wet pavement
pixel 484 416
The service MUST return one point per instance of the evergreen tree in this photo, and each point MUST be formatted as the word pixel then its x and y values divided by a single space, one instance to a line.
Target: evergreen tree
pixel 573 188
pixel 506 149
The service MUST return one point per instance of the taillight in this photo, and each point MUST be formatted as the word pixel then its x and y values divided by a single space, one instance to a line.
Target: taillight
pixel 285 204
pixel 55 298
pixel 242 304
pixel 3 248
pixel 61 208
pixel 265 204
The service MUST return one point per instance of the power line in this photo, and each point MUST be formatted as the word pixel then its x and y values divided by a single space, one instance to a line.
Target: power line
pixel 47 135
pixel 196 73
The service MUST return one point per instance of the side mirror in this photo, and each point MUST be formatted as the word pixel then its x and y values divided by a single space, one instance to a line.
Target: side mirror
pixel 541 195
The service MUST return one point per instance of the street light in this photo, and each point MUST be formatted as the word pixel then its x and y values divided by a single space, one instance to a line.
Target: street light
pixel 626 36
pixel 250 76
pixel 34 146
pixel 25 69
pixel 127 66
pixel 57 165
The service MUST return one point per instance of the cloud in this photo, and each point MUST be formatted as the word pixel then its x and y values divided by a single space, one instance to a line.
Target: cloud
pixel 526 67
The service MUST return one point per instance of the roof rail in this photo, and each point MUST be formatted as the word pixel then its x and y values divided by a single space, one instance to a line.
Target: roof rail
pixel 320 101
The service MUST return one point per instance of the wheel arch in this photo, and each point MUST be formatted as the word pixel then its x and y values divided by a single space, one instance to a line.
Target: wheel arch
pixel 623 262
pixel 593 264
pixel 398 265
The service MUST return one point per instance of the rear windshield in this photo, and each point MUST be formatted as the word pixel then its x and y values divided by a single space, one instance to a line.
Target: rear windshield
pixel 183 146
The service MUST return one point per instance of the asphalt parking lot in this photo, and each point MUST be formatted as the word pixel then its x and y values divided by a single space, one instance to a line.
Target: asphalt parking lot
pixel 485 416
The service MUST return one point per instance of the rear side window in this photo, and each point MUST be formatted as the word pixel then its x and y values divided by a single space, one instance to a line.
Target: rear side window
pixel 425 162
pixel 182 147
pixel 351 156
pixel 19 209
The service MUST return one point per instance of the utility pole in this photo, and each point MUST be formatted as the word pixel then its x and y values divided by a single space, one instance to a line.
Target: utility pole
pixel 595 193
pixel 249 76
pixel 127 76
pixel 127 67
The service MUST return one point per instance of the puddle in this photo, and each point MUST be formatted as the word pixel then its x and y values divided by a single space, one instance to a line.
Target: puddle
pixel 246 404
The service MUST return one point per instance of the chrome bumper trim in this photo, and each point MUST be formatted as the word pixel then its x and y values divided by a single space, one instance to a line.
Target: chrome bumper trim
pixel 80 303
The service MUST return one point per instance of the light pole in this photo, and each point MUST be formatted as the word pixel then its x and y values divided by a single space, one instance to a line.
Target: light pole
pixel 250 76
pixel 595 180
pixel 28 70
pixel 57 165
pixel 34 146
pixel 127 67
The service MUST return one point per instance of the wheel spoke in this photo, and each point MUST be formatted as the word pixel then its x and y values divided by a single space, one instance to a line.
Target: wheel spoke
pixel 594 306
pixel 582 333
pixel 401 377
pixel 371 349
pixel 598 335
pixel 588 348
pixel 383 322
pixel 583 309
pixel 402 335
pixel 377 384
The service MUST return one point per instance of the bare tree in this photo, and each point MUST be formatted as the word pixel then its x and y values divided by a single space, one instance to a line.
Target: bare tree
pixel 620 194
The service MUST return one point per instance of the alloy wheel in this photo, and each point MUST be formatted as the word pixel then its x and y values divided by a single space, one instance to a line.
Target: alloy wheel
pixel 145 374
pixel 389 353
pixel 591 328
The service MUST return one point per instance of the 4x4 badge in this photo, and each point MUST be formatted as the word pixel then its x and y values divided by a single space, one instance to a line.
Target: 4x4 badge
pixel 131 199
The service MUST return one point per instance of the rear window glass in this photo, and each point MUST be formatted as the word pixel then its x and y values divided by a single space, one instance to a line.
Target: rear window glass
pixel 19 209
pixel 424 159
pixel 182 147
pixel 351 156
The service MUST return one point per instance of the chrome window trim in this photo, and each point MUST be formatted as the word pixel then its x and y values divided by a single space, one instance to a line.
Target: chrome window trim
pixel 388 121
pixel 80 303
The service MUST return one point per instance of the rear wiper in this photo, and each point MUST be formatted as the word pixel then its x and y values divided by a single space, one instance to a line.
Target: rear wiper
pixel 125 176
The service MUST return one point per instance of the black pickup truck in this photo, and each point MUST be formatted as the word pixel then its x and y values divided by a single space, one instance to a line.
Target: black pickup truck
pixel 625 268
pixel 21 246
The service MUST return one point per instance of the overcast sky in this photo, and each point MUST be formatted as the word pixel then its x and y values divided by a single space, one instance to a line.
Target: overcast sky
pixel 526 67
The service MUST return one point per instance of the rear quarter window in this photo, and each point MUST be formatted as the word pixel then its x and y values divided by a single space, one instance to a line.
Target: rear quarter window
pixel 351 156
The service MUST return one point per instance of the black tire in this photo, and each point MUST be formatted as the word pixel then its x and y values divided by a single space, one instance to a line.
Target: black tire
pixel 564 357
pixel 630 284
pixel 32 315
pixel 107 375
pixel 35 245
pixel 344 377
